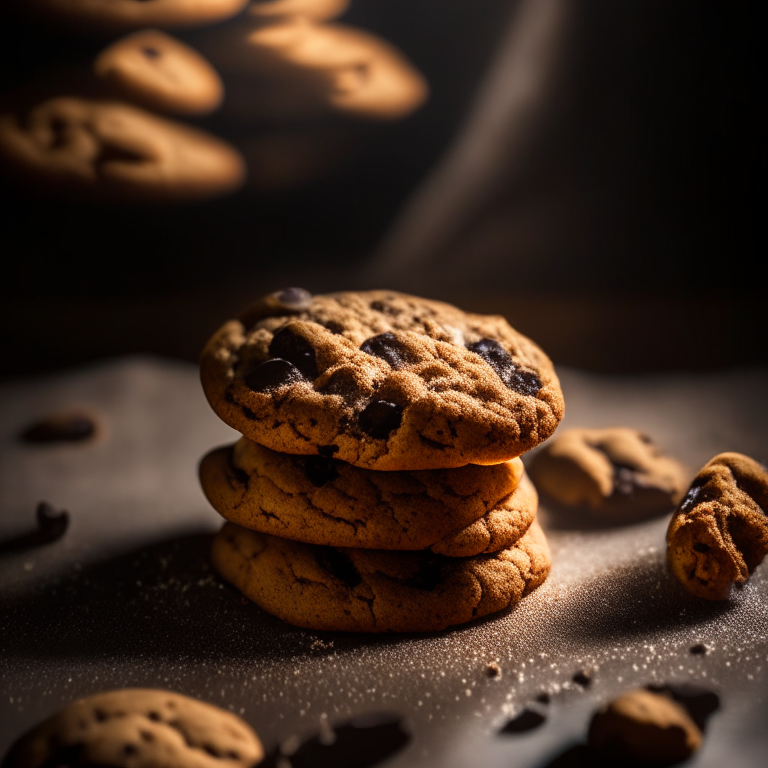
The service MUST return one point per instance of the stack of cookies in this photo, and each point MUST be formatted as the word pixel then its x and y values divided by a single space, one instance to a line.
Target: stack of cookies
pixel 377 486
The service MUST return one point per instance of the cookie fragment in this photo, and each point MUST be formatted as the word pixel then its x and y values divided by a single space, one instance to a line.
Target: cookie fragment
pixel 64 427
pixel 138 727
pixel 618 472
pixel 645 727
pixel 719 533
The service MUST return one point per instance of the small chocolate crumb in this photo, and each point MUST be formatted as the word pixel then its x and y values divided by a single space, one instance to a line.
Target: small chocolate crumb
pixel 272 374
pixel 543 698
pixel 52 523
pixel 379 418
pixel 699 649
pixel 582 678
pixel 60 427
pixel 527 720
pixel 493 670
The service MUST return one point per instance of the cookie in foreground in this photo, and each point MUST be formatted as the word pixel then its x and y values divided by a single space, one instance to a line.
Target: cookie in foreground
pixel 456 512
pixel 619 473
pixel 138 727
pixel 719 533
pixel 381 380
pixel 357 590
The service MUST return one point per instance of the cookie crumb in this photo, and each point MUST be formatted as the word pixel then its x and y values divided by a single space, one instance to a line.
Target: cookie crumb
pixel 699 649
pixel 527 720
pixel 51 523
pixel 493 670
pixel 60 428
pixel 583 678
pixel 543 698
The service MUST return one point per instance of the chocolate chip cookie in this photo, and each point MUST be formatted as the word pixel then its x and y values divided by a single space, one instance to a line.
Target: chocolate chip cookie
pixel 719 533
pixel 138 728
pixel 381 380
pixel 619 473
pixel 111 150
pixel 456 512
pixel 358 590
pixel 161 73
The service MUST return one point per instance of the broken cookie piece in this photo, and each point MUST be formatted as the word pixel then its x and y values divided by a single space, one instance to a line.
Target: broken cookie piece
pixel 719 533
pixel 619 473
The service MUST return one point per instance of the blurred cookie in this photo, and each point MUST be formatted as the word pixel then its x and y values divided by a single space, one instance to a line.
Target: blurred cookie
pixel 640 727
pixel 138 727
pixel 358 590
pixel 161 73
pixel 311 9
pixel 295 69
pixel 719 533
pixel 381 380
pixel 115 15
pixel 116 151
pixel 457 512
pixel 618 472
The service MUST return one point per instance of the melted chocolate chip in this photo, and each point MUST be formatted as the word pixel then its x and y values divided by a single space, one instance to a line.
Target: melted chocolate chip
pixel 150 53
pixel 514 377
pixel 624 480
pixel 289 346
pixel 60 428
pixel 52 523
pixel 691 497
pixel 272 374
pixel 527 720
pixel 320 470
pixel 339 565
pixel 379 418
pixel 293 298
pixel 389 348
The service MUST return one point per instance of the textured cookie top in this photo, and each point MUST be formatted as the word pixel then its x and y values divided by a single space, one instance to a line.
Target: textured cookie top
pixel 719 533
pixel 358 590
pixel 458 512
pixel 138 728
pixel 618 472
pixel 381 380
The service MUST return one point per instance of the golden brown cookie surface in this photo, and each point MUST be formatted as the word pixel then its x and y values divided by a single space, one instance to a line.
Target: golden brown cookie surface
pixel 618 472
pixel 161 73
pixel 381 380
pixel 138 727
pixel 719 533
pixel 357 590
pixel 457 512
pixel 116 151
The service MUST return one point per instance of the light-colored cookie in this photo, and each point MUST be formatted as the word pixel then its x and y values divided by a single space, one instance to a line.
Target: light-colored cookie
pixel 359 590
pixel 138 728
pixel 618 472
pixel 161 73
pixel 116 151
pixel 456 512
pixel 381 380
pixel 645 727
pixel 719 533
pixel 118 15
pixel 296 68
pixel 311 9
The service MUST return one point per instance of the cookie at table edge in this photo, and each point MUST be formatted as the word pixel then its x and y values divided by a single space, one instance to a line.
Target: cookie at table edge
pixel 381 380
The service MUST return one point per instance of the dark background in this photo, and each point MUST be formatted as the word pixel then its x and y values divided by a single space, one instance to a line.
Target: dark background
pixel 656 128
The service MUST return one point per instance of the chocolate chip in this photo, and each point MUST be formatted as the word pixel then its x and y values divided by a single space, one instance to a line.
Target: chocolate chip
pixel 52 523
pixel 582 678
pixel 320 470
pixel 339 565
pixel 272 374
pixel 517 379
pixel 343 383
pixel 150 53
pixel 699 649
pixel 691 497
pixel 543 698
pixel 389 348
pixel 60 428
pixel 293 298
pixel 379 418
pixel 527 720
pixel 289 346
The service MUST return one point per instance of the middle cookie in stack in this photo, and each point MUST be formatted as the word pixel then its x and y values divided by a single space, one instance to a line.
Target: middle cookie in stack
pixel 332 544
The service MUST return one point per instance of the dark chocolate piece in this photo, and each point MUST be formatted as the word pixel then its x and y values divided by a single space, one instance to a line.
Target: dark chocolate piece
pixel 272 374
pixel 379 418
pixel 320 470
pixel 51 522
pixel 389 348
pixel 287 345
pixel 514 377
pixel 527 720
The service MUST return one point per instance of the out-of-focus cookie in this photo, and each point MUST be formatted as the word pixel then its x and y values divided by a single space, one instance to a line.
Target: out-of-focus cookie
pixel 719 533
pixel 135 728
pixel 319 10
pixel 296 69
pixel 456 512
pixel 618 472
pixel 116 151
pixel 644 727
pixel 118 15
pixel 161 73
pixel 359 590
pixel 381 380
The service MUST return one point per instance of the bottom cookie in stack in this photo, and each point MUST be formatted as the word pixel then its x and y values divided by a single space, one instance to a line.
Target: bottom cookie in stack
pixel 325 545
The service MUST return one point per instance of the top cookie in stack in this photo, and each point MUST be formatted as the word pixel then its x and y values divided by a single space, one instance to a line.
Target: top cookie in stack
pixel 381 380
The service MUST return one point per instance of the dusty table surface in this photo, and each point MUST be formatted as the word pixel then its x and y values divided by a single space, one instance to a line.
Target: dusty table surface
pixel 126 598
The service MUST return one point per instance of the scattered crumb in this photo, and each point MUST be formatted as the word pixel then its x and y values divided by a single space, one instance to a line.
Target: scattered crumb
pixel 493 670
